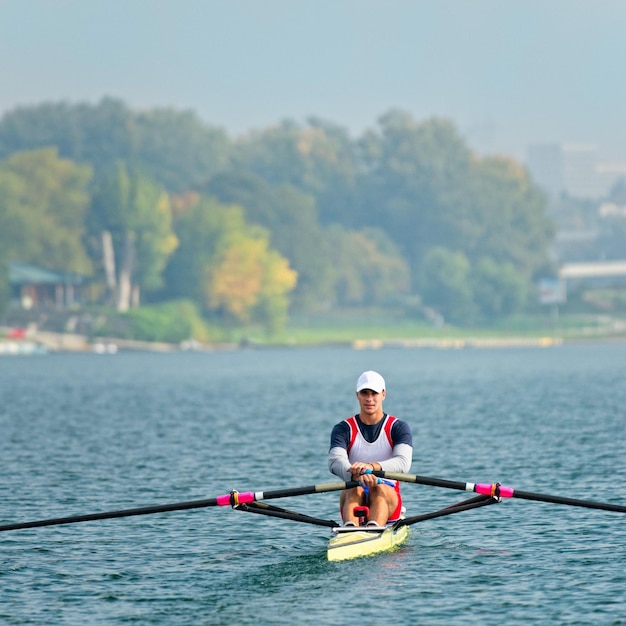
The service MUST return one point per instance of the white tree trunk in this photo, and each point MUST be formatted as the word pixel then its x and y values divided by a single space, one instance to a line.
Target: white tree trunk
pixel 126 273
pixel 135 296
pixel 108 260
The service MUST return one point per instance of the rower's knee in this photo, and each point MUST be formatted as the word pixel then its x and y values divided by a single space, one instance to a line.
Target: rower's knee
pixel 383 491
pixel 356 494
pixel 387 493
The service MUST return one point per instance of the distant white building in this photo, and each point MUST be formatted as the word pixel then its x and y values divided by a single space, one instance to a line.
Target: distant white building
pixel 573 169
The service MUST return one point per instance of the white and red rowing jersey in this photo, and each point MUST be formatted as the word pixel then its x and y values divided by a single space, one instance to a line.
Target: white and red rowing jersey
pixel 388 442
pixel 359 449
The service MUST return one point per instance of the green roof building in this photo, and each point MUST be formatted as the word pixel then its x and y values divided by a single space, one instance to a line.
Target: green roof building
pixel 37 287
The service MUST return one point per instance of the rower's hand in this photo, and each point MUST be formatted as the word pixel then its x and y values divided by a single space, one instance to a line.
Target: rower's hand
pixel 358 473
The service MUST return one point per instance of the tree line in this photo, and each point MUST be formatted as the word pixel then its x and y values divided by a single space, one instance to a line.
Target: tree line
pixel 157 206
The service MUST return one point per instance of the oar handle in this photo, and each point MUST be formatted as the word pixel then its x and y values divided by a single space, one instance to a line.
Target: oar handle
pixel 381 481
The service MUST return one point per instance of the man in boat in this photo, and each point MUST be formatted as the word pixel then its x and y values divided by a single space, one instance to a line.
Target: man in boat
pixel 370 440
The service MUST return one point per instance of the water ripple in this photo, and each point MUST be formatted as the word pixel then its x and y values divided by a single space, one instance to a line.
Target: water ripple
pixel 82 433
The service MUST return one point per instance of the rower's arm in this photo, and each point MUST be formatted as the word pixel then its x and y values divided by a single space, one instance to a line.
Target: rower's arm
pixel 400 461
pixel 339 464
pixel 402 455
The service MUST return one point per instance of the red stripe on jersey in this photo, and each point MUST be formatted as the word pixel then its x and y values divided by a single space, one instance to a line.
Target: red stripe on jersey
pixel 388 427
pixel 354 431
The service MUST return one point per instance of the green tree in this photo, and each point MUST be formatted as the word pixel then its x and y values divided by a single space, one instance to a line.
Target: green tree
pixel 430 192
pixel 368 269
pixel 498 288
pixel 4 282
pixel 98 135
pixel 413 185
pixel 447 286
pixel 318 158
pixel 173 148
pixel 416 181
pixel 43 203
pixel 131 228
pixel 510 222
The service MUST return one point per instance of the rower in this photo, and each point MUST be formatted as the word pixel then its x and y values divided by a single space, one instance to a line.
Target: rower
pixel 370 441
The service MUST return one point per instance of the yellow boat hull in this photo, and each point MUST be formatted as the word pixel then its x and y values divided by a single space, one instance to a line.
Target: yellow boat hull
pixel 355 543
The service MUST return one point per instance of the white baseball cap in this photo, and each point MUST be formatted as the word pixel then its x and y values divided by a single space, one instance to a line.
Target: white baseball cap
pixel 370 380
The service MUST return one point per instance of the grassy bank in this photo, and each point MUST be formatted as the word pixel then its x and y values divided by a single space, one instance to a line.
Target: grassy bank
pixel 348 329
pixel 174 325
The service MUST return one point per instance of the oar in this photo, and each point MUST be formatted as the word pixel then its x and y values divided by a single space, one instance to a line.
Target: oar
pixel 459 507
pixel 270 510
pixel 496 490
pixel 230 499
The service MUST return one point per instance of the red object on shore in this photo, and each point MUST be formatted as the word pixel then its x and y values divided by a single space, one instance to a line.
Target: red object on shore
pixel 16 333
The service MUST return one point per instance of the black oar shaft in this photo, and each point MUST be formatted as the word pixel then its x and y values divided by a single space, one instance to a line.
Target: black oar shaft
pixel 472 503
pixel 232 498
pixel 146 510
pixel 589 504
pixel 271 511
pixel 497 490
pixel 425 480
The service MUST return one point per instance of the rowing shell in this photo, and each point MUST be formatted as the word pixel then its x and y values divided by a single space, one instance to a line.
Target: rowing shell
pixel 351 543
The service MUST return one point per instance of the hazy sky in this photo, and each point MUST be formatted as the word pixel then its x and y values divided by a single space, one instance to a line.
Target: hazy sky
pixel 507 72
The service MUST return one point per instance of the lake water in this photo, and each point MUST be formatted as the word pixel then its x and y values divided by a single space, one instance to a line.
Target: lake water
pixel 83 433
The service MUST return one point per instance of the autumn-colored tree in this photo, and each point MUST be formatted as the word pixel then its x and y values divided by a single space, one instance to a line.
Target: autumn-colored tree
pixel 233 281
pixel 291 217
pixel 250 281
pixel 228 266
pixel 278 280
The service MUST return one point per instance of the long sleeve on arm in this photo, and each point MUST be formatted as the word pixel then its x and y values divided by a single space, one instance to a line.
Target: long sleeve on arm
pixel 400 461
pixel 402 453
pixel 338 462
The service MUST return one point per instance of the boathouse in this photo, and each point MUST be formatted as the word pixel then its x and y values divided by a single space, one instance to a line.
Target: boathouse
pixel 35 287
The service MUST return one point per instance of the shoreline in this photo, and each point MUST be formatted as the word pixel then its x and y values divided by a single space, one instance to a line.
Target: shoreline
pixel 46 343
pixel 33 341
